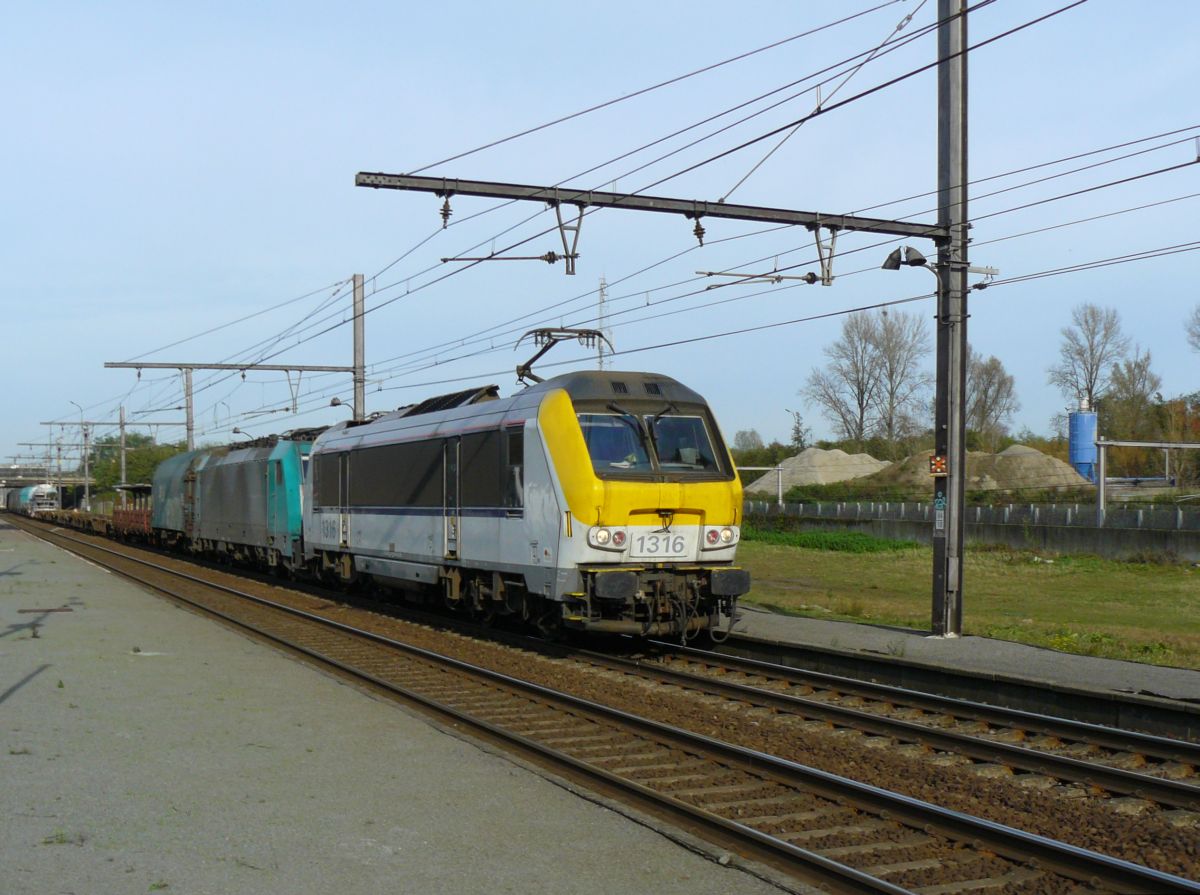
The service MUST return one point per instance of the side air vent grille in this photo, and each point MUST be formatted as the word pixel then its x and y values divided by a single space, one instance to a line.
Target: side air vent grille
pixel 653 389
pixel 620 388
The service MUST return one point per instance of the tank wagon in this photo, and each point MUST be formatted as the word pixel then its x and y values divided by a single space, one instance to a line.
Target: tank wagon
pixel 597 501
pixel 32 500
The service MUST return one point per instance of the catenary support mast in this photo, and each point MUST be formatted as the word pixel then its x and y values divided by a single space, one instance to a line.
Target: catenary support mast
pixel 358 369
pixel 949 501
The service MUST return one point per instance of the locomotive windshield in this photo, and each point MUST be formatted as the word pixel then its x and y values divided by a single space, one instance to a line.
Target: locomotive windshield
pixel 616 442
pixel 683 443
pixel 621 442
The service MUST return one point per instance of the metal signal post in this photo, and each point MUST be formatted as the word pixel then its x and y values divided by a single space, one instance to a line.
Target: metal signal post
pixel 949 495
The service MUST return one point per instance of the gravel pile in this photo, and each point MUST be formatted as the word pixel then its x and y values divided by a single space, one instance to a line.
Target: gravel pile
pixel 814 466
pixel 1015 468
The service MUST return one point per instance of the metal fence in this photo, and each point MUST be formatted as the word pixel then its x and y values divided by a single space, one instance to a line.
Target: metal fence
pixel 1081 515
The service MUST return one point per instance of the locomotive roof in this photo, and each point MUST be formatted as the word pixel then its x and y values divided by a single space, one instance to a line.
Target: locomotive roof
pixel 615 385
pixel 432 413
pixel 454 399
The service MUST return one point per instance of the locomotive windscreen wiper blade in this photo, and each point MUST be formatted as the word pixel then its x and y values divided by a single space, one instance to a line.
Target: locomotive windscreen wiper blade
pixel 670 406
pixel 637 420
pixel 654 422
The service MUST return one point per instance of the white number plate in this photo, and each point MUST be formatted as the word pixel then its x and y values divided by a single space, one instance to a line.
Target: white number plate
pixel 659 545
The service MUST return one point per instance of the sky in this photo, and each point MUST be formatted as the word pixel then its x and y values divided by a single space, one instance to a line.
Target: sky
pixel 177 186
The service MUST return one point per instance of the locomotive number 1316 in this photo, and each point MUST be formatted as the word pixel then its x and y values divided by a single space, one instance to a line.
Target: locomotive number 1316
pixel 659 544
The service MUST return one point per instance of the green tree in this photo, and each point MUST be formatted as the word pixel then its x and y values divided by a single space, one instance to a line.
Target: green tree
pixel 1181 422
pixel 1128 408
pixel 801 434
pixel 747 440
pixel 769 455
pixel 142 456
pixel 1131 410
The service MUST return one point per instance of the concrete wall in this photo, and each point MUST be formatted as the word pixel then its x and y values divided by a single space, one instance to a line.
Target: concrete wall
pixel 1112 543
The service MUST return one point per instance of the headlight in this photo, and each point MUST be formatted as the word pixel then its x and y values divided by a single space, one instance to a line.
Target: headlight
pixel 608 538
pixel 720 536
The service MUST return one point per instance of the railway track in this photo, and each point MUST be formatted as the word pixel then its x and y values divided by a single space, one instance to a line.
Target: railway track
pixel 1148 712
pixel 1106 761
pixel 828 830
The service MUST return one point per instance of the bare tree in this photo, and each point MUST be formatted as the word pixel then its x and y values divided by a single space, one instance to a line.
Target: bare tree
pixel 991 398
pixel 747 440
pixel 1090 346
pixel 1192 327
pixel 902 342
pixel 1128 407
pixel 847 388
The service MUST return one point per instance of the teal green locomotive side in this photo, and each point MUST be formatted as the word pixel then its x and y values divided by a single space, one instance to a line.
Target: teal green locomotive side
pixel 240 501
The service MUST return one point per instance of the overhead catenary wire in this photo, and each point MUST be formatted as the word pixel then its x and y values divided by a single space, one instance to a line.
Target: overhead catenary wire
pixel 439 279
pixel 594 168
pixel 896 30
pixel 653 87
pixel 544 232
pixel 586 295
pixel 1040 165
pixel 1084 266
pixel 377 372
pixel 824 110
pixel 845 253
pixel 243 319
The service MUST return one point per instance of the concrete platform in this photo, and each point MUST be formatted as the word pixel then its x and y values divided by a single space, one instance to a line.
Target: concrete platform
pixel 144 748
pixel 980 655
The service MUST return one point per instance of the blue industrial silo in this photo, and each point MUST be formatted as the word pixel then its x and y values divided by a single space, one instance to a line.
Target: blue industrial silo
pixel 1081 447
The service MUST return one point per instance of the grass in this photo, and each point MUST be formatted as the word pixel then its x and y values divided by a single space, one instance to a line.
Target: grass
pixel 1145 612
pixel 841 541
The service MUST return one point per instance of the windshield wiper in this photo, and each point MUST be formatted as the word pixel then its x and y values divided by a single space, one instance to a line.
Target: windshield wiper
pixel 654 422
pixel 670 406
pixel 637 423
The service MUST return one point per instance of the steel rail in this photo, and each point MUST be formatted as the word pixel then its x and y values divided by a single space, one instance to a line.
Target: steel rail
pixel 1164 791
pixel 1072 861
pixel 1159 747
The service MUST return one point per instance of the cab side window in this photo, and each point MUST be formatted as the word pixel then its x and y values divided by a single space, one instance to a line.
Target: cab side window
pixel 514 467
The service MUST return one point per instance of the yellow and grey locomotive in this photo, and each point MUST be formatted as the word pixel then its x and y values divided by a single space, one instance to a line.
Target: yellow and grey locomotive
pixel 596 501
